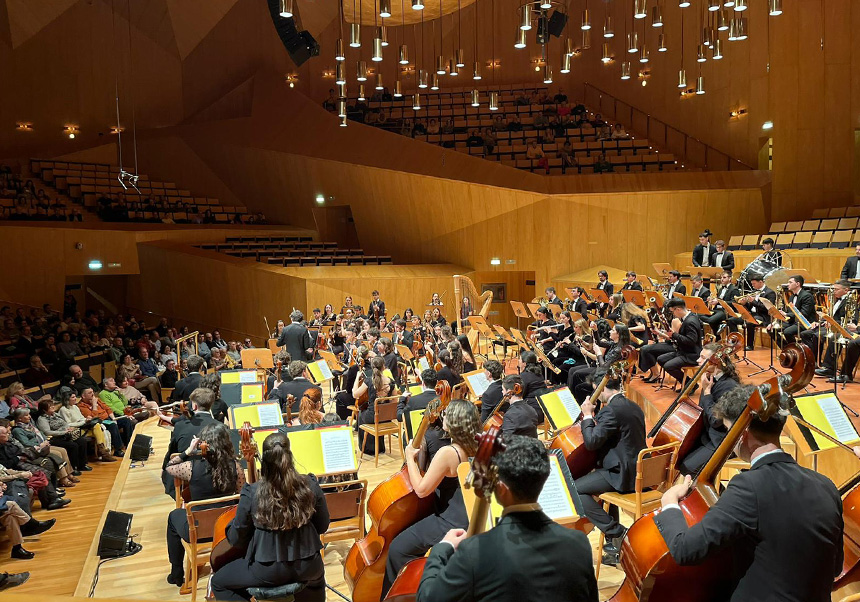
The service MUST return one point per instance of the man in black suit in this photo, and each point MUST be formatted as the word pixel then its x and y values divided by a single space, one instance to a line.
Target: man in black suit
pixel 376 309
pixel 687 340
pixel 703 253
pixel 296 387
pixel 503 564
pixel 604 285
pixel 552 298
pixel 184 386
pixel 401 335
pixel 409 403
pixel 783 523
pixel 715 384
pixel 296 338
pixel 577 302
pixel 723 258
pixel 491 397
pixel 631 284
pixel 755 307
pixel 769 253
pixel 726 291
pixel 673 278
pixel 616 434
pixel 698 288
pixel 520 418
pixel 804 302
pixel 815 336
pixel 851 269
pixel 185 429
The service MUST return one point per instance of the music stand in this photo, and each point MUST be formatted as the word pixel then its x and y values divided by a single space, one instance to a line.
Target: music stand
pixel 707 272
pixel 480 324
pixel 696 305
pixel 662 268
pixel 520 311
pixel 521 340
pixel 272 345
pixel 505 339
pixel 533 307
pixel 250 357
pixel 404 352
pixel 749 319
pixel 598 295
pixel 635 297
pixel 841 342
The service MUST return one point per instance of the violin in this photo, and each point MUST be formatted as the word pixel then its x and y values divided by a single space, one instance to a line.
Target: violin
pixel 651 572
pixel 223 551
pixel 393 506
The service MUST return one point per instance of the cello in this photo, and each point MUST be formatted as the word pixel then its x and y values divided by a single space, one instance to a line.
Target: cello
pixel 393 506
pixel 581 460
pixel 496 419
pixel 650 571
pixel 682 420
pixel 222 551
pixel 482 479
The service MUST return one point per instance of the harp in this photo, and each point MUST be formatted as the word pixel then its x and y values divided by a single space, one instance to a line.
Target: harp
pixel 464 287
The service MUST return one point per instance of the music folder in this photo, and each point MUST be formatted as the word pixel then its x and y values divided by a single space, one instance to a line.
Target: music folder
pixel 258 414
pixel 825 412
pixel 320 371
pixel 696 305
pixel 328 450
pixel 560 407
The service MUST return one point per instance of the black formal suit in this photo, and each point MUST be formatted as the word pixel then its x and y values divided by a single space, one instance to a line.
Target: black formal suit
pixel 297 340
pixel 525 555
pixel 403 338
pixel 728 294
pixel 580 306
pixel 296 388
pixel 725 260
pixel 758 311
pixel 448 376
pixel 783 524
pixel 678 287
pixel 804 301
pixel 713 429
pixel 700 252
pixel 520 419
pixel 849 270
pixel 812 337
pixel 688 345
pixel 532 386
pixel 414 402
pixel 703 292
pixel 184 430
pixel 617 434
pixel 490 399
pixel 608 288
pixel 370 313
pixel 184 387
pixel 631 286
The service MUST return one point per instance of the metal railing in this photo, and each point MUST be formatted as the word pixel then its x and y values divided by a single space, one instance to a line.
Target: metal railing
pixel 692 150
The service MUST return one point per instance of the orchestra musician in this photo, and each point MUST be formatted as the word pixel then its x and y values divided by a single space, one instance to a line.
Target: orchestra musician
pixel 613 309
pixel 317 319
pixel 417 328
pixel 782 522
pixel 299 383
pixel 551 297
pixel 851 269
pixel 617 433
pixel 401 335
pixel 437 319
pixel 531 373
pixel 408 314
pixel 283 357
pixel 491 397
pixel 469 364
pixel 215 474
pixel 382 324
pixel 520 417
pixel 715 384
pixel 698 289
pixel 852 351
pixel 755 307
pixel 578 304
pixel 451 357
pixel 436 300
pixel 344 398
pixel 440 480
pixel 636 320
pixel 675 285
pixel 678 348
pixel 279 520
pixel 545 336
pixel 564 353
pixel 723 258
pixel 804 301
pixel 497 565
pixel 375 384
pixel 726 291
pixel 769 253
pixel 703 253
pixel 607 352
pixel 427 320
pixel 410 402
pixel 185 429
pixel 328 314
pixel 630 282
pixel 338 337
pixel 604 285
pixel 376 309
pixel 813 336
pixel 385 349
pixel 296 337
pixel 465 312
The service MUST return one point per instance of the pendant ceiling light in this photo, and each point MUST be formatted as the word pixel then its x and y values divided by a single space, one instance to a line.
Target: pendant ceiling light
pixel 404 49
pixel 568 47
pixel 682 75
pixel 379 84
pixel 384 8
pixel 476 71
pixel 286 9
pixel 586 39
pixel 565 63
pixel 743 28
pixel 526 16
pixel 717 50
pixel 661 43
pixel 656 16
pixel 644 56
pixel 339 54
pixel 417 5
pixel 683 3
pixel 714 5
pixel 422 79
pixel 682 78
pixel 608 29
pixel 640 9
pixel 774 8
pixel 398 89
pixel 416 101
pixel 361 95
pixel 460 58
pixel 340 74
pixel 625 70
pixel 404 54
pixel 361 71
pixel 729 3
pixel 377 50
pixel 454 70
pixel 355 28
pixel 740 5
pixel 494 101
pixel 521 39
pixel 434 81
pixel 586 20
pixel 382 33
pixel 341 108
pixel 701 57
pixel 476 100
pixel 440 65
pixel 606 56
pixel 341 90
pixel 545 4
pixel 343 122
pixel 476 66
pixel 547 74
pixel 700 85
pixel 722 21
pixel 733 30
pixel 632 42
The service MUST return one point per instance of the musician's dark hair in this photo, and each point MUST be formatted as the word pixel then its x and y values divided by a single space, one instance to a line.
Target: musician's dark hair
pixel 377 364
pixel 446 331
pixel 731 405
pixel 213 383
pixel 375 293
pixel 797 278
pixel 400 322
pixel 706 232
pixel 755 277
pixel 297 316
pixel 317 309
pixel 697 276
pixel 543 310
pixel 296 368
pixel 495 369
pixel 511 380
pixel 194 363
pixel 284 499
pixel 464 422
pixel 675 302
pixel 566 314
pixel 453 358
pixel 603 328
pixel 613 384
pixel 429 378
pixel 602 273
pixel 221 457
pixel 386 344
pixel 373 332
pixel 202 398
pixel 720 243
pixel 631 273
pixel 844 283
pixel 727 365
pixel 623 334
pixel 675 273
pixel 767 241
pixel 529 358
pixel 729 272
pixel 549 289
pixel 523 467
pixel 284 357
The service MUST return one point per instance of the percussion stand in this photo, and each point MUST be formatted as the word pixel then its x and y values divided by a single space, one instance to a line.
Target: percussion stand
pixel 770 367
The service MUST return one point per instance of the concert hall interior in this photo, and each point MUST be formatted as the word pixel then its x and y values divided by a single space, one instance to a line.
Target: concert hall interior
pixel 375 300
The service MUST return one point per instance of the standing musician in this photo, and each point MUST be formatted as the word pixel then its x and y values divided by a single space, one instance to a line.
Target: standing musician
pixel 375 384
pixel 813 336
pixel 439 480
pixel 631 284
pixel 782 522
pixel 525 551
pixel 726 291
pixel 698 289
pixel 436 300
pixel 577 303
pixel 675 285
pixel 410 402
pixel 755 307
pixel 465 312
pixel 703 254
pixel 296 338
pixel 279 520
pixel 636 320
pixel 551 297
pixel 520 417
pixel 564 352
pixel 769 253
pixel 715 384
pixel 851 269
pixel 804 301
pixel 723 258
pixel 492 396
pixel 604 285
pixel 215 474
pixel 376 309
pixel 401 335
pixel 578 378
pixel 617 434
pixel 678 348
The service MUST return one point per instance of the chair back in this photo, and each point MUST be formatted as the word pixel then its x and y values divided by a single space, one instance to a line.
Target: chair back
pixel 346 499
pixel 460 391
pixel 655 466
pixel 385 409
pixel 202 516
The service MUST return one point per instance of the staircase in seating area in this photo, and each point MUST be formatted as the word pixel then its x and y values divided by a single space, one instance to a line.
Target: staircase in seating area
pixel 294 252
pixel 85 183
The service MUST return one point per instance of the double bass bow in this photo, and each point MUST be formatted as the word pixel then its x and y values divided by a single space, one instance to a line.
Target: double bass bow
pixel 393 506
pixel 650 571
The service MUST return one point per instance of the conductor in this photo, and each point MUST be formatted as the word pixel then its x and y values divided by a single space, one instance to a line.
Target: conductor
pixel 297 338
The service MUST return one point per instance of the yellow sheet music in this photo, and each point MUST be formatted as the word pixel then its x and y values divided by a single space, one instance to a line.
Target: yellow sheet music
pixel 824 412
pixel 257 414
pixel 320 451
pixel 252 393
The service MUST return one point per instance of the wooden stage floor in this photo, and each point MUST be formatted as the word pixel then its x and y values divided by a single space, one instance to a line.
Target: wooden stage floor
pixel 66 556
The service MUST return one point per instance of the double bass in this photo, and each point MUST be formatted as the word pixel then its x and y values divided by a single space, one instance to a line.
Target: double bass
pixel 482 479
pixel 682 420
pixel 393 507
pixel 650 571
pixel 222 551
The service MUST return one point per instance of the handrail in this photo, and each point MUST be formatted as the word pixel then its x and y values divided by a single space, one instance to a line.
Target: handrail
pixel 691 148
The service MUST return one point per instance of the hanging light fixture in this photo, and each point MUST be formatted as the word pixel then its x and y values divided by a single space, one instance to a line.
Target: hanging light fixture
pixel 743 29
pixel 339 54
pixel 608 29
pixel 521 39
pixel 434 82
pixel 717 49
pixel 586 39
pixel 417 5
pixel 565 63
pixel 568 47
pixel 775 8
pixel 361 71
pixel 461 58
pixel 343 122
pixel 379 84
pixel 398 89
pixel 341 107
pixel 586 20
pixel 494 101
pixel 526 16
pixel 545 4
pixel 682 78
pixel 476 66
pixel 632 42
pixel 713 5
pixel 722 21
pixel 422 79
pixel 416 101
pixel 384 8
pixel 341 90
pixel 729 3
pixel 476 101
pixel 476 71
pixel 382 32
pixel 355 28
pixel 643 54
pixel 440 65
pixel 547 74
pixel 361 95
pixel 661 43
pixel 454 70
pixel 701 57
pixel 740 5
pixel 606 57
pixel 286 9
pixel 706 37
pixel 656 16
pixel 733 30
pixel 377 50
pixel 340 74
pixel 700 85
pixel 404 54
pixel 683 3
pixel 640 9
pixel 625 70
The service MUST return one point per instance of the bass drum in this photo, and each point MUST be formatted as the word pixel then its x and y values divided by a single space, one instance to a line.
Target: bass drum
pixel 773 274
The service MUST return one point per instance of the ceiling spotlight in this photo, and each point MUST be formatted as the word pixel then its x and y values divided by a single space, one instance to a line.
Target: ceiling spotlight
pixel 286 9
pixel 361 71
pixel 767 125
pixel 476 71
pixel 633 42
pixel 494 101
pixel 354 35
pixel 379 84
pixel 775 8
pixel 640 9
pixel 416 101
pixel 565 63
pixel 656 16
pixel 476 101
pixel 384 8
pixel 340 74
pixel 460 58
pixel 434 82
pixel 377 50
pixel 521 39
pixel 422 78
pixel 71 131
pixel 526 16
pixel 625 70
pixel 700 85
pixel 440 65
pixel 398 89
pixel 404 54
pixel 417 5
pixel 26 126
pixel 547 74
pixel 341 107
pixel 608 29
pixel 586 20
pixel 701 57
pixel 717 50
pixel 661 43
pixel 722 21
pixel 339 54
pixel 643 55
pixel 606 57
pixel 361 95
pixel 740 5
pixel 682 79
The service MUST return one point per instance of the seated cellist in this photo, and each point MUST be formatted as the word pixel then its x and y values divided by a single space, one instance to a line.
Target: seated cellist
pixel 782 522
pixel 525 556
pixel 279 520
pixel 440 480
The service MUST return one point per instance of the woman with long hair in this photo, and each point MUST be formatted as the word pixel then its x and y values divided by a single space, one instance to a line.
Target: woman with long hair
pixel 328 313
pixel 376 384
pixel 564 353
pixel 407 314
pixel 451 357
pixel 437 318
pixel 279 520
pixel 615 303
pixel 310 408
pixel 16 398
pixel 636 320
pixel 461 421
pixel 214 474
pixel 607 353
pixel 531 374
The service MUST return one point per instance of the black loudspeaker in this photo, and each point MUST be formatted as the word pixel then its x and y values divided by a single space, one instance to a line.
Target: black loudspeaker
pixel 114 537
pixel 141 447
pixel 300 44
pixel 557 21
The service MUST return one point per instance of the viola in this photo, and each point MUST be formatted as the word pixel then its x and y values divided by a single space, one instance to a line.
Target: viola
pixel 223 551
pixel 393 506
pixel 651 572
pixel 682 421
